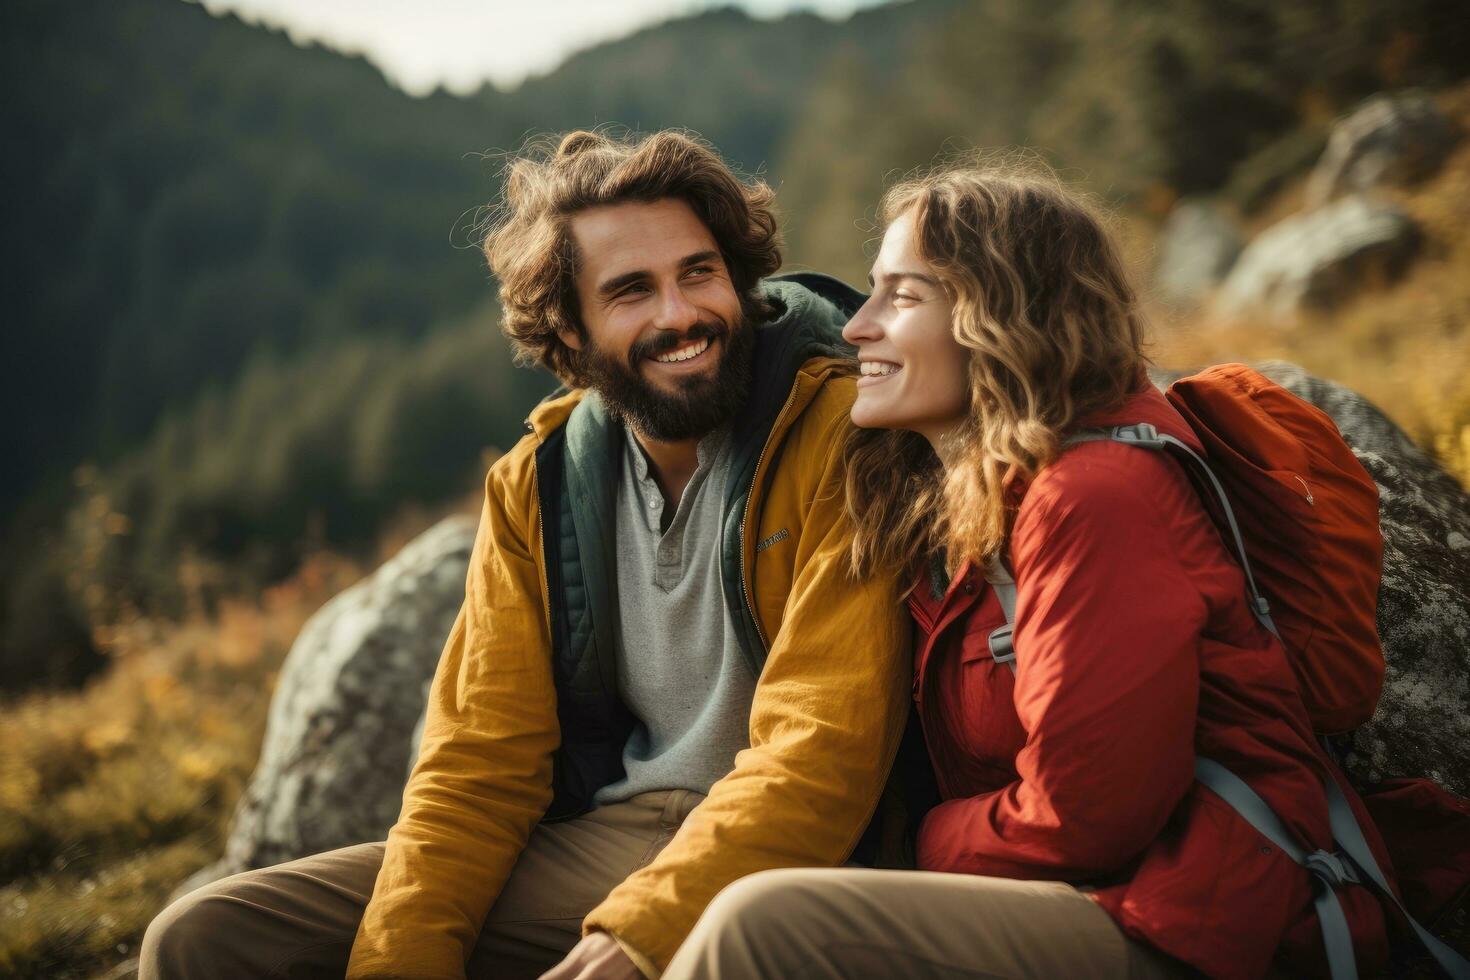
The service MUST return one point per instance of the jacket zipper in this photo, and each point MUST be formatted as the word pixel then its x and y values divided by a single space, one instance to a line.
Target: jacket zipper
pixel 541 537
pixel 546 606
pixel 745 515
pixel 924 707
pixel 945 618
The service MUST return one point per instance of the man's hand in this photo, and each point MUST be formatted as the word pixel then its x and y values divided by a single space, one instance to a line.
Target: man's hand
pixel 596 957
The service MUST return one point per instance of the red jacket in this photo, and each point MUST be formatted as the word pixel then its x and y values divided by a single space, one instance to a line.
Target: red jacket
pixel 1136 653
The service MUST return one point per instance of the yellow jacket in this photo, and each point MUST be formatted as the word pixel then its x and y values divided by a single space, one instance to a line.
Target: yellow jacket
pixel 827 713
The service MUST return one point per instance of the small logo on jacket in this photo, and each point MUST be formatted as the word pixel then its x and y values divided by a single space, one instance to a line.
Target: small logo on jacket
pixel 765 543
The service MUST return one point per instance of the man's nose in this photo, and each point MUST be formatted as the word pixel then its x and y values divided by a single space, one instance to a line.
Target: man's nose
pixel 675 312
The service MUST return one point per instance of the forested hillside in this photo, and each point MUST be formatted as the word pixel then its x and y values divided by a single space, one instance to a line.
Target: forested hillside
pixel 246 315
pixel 228 258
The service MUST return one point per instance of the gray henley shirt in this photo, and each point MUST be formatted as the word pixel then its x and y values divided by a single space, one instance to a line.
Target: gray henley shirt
pixel 680 667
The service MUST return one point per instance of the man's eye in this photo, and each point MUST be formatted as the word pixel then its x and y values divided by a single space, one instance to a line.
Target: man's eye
pixel 700 270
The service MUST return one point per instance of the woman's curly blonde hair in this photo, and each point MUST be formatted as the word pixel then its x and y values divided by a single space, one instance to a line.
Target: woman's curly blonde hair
pixel 1044 307
pixel 529 244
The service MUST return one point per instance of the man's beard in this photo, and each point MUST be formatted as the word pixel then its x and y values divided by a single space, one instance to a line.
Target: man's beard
pixel 701 403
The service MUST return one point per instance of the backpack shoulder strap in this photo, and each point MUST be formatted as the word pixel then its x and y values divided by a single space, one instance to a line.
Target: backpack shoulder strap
pixel 1144 436
pixel 999 577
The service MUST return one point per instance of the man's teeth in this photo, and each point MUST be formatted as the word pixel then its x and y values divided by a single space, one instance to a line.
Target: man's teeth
pixel 683 353
pixel 877 369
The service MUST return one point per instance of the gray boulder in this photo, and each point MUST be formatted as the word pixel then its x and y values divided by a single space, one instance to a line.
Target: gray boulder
pixel 1317 259
pixel 1422 725
pixel 336 752
pixel 1389 139
pixel 1197 247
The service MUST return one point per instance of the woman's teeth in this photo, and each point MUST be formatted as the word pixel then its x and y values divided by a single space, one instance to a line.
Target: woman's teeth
pixel 877 369
pixel 684 353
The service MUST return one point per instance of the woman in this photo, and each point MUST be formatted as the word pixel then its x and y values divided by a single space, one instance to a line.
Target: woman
pixel 1074 838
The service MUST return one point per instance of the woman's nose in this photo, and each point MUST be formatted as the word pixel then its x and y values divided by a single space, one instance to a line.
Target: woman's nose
pixel 863 326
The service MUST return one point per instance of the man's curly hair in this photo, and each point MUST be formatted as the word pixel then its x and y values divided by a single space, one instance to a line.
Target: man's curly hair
pixel 529 243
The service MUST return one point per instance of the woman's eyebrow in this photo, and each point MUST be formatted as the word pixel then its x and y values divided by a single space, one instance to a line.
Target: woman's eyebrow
pixel 899 275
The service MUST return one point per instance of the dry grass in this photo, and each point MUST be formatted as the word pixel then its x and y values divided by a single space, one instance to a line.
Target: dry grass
pixel 112 795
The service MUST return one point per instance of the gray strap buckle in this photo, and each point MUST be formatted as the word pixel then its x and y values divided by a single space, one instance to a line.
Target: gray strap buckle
pixel 1001 647
pixel 1334 869
pixel 1140 433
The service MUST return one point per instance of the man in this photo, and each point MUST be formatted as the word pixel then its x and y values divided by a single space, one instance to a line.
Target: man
pixel 662 678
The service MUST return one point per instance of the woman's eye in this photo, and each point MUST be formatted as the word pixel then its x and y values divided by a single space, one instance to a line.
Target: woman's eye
pixel 905 297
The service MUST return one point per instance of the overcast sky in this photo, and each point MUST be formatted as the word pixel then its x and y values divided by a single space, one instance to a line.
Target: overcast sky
pixel 459 44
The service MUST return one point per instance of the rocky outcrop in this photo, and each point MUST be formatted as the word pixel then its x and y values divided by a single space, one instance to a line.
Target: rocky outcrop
pixel 1317 259
pixel 1388 140
pixel 338 745
pixel 1422 725
pixel 336 751
pixel 1346 236
pixel 1197 247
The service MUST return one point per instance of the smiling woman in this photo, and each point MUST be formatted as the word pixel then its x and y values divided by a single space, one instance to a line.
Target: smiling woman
pixel 983 339
pixel 913 370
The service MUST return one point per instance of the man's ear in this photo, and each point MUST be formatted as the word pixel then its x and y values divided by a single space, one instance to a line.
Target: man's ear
pixel 570 337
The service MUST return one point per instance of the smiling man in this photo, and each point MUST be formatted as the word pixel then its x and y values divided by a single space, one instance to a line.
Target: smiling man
pixel 662 678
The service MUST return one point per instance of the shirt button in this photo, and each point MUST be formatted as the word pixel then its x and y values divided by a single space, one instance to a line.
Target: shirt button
pixel 653 503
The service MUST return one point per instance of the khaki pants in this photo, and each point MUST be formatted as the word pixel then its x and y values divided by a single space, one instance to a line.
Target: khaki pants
pixel 854 923
pixel 299 919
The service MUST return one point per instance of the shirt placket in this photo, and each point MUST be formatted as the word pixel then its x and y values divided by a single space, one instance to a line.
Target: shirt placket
pixel 668 546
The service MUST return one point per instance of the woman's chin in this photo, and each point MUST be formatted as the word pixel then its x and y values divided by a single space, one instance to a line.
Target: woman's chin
pixel 870 417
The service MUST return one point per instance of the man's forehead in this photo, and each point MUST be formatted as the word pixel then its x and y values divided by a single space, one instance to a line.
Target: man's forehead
pixel 637 234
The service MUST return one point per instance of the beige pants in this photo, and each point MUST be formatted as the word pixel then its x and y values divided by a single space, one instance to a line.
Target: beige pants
pixel 854 923
pixel 299 919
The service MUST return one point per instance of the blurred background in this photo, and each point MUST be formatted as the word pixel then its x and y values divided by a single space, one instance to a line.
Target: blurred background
pixel 250 345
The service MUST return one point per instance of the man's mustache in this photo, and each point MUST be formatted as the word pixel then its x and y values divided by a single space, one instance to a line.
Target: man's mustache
pixel 666 340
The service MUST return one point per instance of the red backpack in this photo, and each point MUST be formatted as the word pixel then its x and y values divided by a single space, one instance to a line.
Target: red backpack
pixel 1308 524
pixel 1304 515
